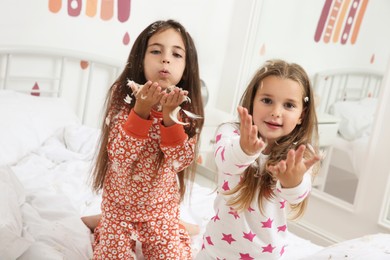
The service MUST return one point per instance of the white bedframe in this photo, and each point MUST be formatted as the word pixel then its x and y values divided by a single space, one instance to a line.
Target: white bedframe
pixel 345 85
pixel 54 70
pixel 350 95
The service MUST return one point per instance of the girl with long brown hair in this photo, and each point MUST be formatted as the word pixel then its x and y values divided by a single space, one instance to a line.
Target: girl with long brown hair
pixel 148 147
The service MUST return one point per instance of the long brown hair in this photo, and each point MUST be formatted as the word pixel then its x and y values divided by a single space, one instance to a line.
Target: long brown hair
pixel 306 133
pixel 134 70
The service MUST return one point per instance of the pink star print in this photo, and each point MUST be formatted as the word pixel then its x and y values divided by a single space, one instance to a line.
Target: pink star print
pixel 234 213
pixel 282 251
pixel 245 257
pixel 268 248
pixel 250 209
pixel 236 132
pixel 282 228
pixel 209 241
pixel 228 238
pixel 242 165
pixel 282 204
pixel 225 186
pixel 249 236
pixel 216 217
pixel 267 224
pixel 222 152
pixel 217 138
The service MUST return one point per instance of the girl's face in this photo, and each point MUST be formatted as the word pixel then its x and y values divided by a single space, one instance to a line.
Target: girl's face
pixel 277 107
pixel 165 58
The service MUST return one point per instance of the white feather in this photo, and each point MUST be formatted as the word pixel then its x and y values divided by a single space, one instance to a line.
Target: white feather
pixel 173 116
pixel 192 115
pixel 128 99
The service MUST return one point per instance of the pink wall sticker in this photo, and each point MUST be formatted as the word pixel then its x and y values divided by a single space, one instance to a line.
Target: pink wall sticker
pixel 35 90
pixel 74 7
pixel 123 10
pixel 322 20
pixel 126 39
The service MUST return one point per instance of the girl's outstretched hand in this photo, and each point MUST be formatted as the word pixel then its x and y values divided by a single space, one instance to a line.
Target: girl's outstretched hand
pixel 290 171
pixel 249 141
pixel 173 98
pixel 170 101
pixel 146 96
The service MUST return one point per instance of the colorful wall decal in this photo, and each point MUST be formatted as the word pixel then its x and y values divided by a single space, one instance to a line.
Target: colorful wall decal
pixel 340 27
pixel 339 24
pixel 126 39
pixel 349 21
pixel 262 50
pixel 74 7
pixel 91 8
pixel 35 90
pixel 322 20
pixel 107 10
pixel 372 60
pixel 84 64
pixel 123 10
pixel 359 20
pixel 331 21
pixel 55 5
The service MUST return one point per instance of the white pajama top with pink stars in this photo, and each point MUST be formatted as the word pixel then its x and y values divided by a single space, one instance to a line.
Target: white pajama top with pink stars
pixel 247 234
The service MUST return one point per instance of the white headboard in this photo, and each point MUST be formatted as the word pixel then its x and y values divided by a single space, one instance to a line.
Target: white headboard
pixel 345 84
pixel 81 78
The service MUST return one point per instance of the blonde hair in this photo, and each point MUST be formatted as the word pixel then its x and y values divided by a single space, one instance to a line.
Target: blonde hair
pixel 261 181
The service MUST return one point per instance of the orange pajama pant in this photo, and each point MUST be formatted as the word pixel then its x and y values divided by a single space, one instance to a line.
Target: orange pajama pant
pixel 161 239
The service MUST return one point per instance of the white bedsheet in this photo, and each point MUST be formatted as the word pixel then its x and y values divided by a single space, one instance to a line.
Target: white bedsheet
pixel 375 246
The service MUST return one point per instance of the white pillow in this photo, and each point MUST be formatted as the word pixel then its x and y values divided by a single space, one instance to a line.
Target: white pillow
pixel 356 117
pixel 12 242
pixel 27 121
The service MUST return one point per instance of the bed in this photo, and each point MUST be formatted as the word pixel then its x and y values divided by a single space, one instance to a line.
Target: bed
pixel 352 96
pixel 50 111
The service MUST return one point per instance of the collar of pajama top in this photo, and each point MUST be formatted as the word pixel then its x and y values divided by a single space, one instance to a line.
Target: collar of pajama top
pixel 247 234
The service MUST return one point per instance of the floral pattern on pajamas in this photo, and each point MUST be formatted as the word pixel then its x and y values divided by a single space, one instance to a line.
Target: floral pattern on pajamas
pixel 140 196
pixel 247 234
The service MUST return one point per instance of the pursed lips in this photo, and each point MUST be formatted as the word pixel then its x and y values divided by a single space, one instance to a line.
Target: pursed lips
pixel 164 72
